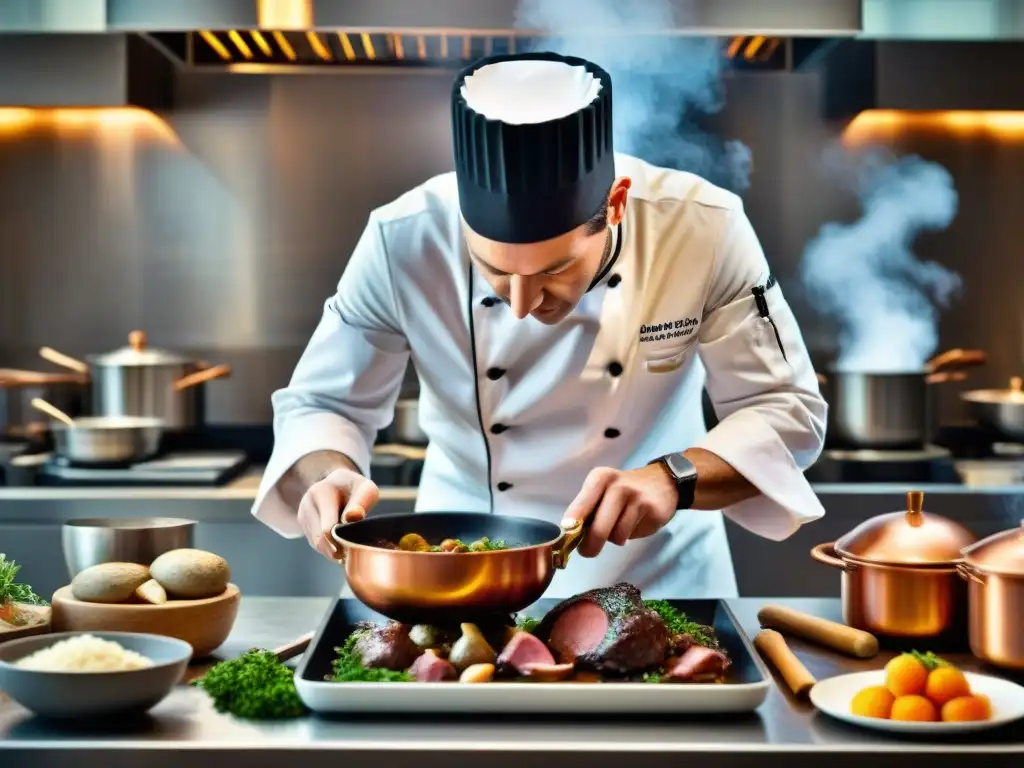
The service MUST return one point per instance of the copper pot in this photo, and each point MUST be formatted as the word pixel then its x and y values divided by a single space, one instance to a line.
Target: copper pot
pixel 442 588
pixel 994 569
pixel 900 572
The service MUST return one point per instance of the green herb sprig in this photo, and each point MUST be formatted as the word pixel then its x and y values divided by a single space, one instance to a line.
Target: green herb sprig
pixel 679 623
pixel 255 686
pixel 527 623
pixel 10 590
pixel 347 667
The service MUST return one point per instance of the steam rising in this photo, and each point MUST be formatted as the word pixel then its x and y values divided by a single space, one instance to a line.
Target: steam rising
pixel 865 274
pixel 662 83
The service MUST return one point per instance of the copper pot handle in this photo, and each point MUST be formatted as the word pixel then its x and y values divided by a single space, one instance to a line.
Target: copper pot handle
pixel 946 377
pixel 825 554
pixel 968 574
pixel 957 358
pixel 338 543
pixel 199 377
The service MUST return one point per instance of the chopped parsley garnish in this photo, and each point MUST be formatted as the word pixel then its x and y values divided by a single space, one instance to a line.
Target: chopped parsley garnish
pixel 255 686
pixel 679 623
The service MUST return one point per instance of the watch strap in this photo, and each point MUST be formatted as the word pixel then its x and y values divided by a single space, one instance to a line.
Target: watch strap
pixel 684 473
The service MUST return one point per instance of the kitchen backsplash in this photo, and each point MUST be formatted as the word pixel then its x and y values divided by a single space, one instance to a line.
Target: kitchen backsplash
pixel 221 228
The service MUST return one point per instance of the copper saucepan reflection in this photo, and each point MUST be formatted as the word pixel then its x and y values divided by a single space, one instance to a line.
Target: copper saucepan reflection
pixel 441 587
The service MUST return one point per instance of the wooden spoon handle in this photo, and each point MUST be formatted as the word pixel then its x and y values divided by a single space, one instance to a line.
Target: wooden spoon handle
pixel 294 648
pixel 839 637
pixel 773 646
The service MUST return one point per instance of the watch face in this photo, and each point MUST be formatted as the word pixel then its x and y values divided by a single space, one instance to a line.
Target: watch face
pixel 681 466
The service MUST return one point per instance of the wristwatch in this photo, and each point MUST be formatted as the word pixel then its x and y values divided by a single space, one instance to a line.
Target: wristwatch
pixel 681 470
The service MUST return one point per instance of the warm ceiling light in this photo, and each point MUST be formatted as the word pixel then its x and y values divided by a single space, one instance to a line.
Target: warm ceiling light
pixel 261 41
pixel 240 44
pixel 100 121
pixel 284 45
pixel 217 45
pixel 753 47
pixel 285 14
pixel 368 46
pixel 346 46
pixel 888 124
pixel 318 46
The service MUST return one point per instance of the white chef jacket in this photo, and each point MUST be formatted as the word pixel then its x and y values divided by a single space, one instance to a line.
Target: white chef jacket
pixel 617 383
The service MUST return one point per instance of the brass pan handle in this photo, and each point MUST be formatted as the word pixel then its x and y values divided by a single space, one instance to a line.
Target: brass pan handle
pixel 569 541
pixel 968 574
pixel 826 555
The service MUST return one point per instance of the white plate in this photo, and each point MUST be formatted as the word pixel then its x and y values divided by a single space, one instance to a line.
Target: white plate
pixel 834 696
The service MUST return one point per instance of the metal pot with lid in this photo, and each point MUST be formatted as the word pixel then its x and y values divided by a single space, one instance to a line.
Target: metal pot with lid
pixel 899 572
pixel 139 380
pixel 994 570
pixel 1001 410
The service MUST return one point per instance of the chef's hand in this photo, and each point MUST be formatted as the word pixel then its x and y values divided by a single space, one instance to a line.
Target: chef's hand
pixel 343 496
pixel 624 504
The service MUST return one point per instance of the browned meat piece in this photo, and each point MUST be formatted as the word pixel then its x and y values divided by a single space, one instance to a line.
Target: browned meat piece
pixel 431 668
pixel 386 647
pixel 606 630
pixel 522 651
pixel 697 662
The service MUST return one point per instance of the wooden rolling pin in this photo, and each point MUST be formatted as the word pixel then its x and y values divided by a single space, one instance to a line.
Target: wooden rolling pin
pixel 773 646
pixel 839 637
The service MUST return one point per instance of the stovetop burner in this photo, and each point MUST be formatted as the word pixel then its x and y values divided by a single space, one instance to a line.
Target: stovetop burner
pixel 928 453
pixel 932 464
pixel 207 468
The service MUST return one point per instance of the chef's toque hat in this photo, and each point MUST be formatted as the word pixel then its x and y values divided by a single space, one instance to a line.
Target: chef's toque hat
pixel 533 144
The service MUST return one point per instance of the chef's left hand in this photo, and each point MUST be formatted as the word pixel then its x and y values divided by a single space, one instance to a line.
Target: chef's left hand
pixel 625 504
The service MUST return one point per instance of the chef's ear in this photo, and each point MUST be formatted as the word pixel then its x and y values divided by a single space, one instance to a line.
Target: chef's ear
pixel 617 199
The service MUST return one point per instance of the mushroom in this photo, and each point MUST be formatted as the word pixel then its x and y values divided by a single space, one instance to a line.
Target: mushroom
pixel 472 648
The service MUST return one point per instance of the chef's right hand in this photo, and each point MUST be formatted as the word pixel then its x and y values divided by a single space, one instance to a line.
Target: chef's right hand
pixel 342 496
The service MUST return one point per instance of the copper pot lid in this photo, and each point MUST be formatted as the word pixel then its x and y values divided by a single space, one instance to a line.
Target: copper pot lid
pixel 911 537
pixel 1001 553
pixel 139 354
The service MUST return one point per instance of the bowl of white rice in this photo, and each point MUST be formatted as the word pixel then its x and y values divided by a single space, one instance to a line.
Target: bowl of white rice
pixel 85 675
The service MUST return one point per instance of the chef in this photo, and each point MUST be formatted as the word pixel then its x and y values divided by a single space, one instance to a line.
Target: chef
pixel 564 307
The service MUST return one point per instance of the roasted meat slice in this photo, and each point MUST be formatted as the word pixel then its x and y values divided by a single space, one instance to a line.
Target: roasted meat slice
pixel 696 662
pixel 386 647
pixel 606 630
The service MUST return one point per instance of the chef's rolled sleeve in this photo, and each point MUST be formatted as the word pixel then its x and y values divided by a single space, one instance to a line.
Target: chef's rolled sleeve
pixel 344 388
pixel 760 379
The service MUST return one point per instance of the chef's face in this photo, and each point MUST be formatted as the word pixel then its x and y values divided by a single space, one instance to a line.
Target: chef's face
pixel 548 279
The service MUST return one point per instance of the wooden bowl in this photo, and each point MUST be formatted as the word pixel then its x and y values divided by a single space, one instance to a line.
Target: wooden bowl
pixel 40 626
pixel 203 624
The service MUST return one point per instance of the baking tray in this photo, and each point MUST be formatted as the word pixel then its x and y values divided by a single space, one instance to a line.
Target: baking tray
pixel 746 687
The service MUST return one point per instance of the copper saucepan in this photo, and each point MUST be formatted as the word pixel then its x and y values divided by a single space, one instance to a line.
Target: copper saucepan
pixel 445 588
pixel 994 570
pixel 899 573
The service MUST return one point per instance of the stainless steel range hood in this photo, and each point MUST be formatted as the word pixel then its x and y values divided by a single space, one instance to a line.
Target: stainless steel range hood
pixel 695 17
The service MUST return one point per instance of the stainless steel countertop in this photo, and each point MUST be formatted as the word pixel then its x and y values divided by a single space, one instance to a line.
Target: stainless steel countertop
pixel 186 723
